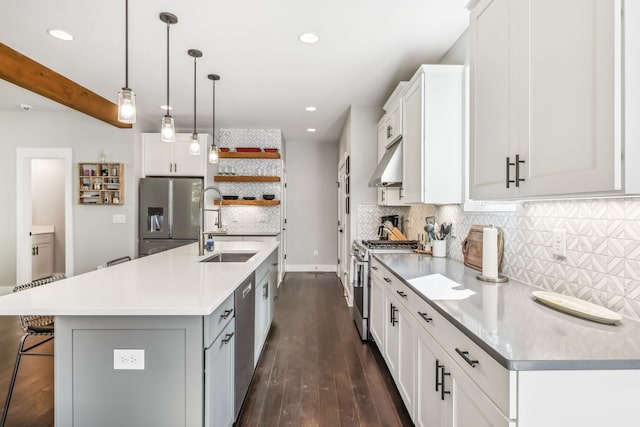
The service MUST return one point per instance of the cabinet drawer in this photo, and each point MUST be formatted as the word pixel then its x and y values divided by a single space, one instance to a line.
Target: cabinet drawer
pixel 266 266
pixel 494 379
pixel 41 239
pixel 396 286
pixel 216 321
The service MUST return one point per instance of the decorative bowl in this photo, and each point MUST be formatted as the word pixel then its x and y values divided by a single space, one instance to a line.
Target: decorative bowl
pixel 268 196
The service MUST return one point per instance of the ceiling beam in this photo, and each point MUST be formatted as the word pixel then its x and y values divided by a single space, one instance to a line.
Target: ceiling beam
pixel 35 77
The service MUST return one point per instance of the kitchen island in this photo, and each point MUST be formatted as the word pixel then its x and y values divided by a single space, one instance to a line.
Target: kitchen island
pixel 494 355
pixel 166 305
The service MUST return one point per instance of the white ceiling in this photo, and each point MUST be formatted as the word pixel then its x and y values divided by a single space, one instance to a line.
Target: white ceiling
pixel 267 75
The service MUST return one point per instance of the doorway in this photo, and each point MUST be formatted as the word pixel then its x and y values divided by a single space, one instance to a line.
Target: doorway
pixel 36 168
pixel 344 260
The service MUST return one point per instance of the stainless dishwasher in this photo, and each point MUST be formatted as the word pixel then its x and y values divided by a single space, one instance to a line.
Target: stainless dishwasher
pixel 244 298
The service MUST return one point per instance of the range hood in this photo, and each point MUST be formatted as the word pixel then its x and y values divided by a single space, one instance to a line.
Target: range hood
pixel 389 170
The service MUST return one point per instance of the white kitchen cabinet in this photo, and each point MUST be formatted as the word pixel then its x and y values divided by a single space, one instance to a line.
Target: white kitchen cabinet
pixel 262 322
pixel 387 196
pixel 41 256
pixel 219 379
pixel 376 316
pixel 432 111
pixel 173 158
pixel 547 98
pixel 390 129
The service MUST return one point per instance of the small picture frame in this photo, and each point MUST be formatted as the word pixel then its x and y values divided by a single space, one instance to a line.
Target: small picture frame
pixel 347 165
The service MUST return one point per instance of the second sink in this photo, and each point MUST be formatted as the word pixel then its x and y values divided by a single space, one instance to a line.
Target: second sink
pixel 230 257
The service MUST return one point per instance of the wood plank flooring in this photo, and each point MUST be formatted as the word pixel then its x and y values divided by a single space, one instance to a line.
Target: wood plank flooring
pixel 314 370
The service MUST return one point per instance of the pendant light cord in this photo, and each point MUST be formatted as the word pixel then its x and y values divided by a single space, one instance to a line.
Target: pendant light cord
pixel 194 94
pixel 214 113
pixel 168 26
pixel 126 44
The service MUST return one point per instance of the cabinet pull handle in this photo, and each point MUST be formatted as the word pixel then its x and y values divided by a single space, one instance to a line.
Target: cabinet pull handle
pixel 383 196
pixel 33 251
pixel 438 374
pixel 424 316
pixel 389 131
pixel 442 390
pixel 518 162
pixel 373 267
pixel 170 167
pixel 227 338
pixel 394 310
pixel 226 313
pixel 175 167
pixel 509 180
pixel 402 294
pixel 400 195
pixel 37 250
pixel 386 279
pixel 465 356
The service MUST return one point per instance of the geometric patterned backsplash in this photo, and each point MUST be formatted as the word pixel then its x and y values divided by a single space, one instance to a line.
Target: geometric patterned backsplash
pixel 603 244
pixel 251 219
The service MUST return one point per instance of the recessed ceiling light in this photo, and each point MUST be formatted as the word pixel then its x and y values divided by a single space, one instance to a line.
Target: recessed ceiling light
pixel 60 35
pixel 310 108
pixel 308 38
pixel 164 107
pixel 311 129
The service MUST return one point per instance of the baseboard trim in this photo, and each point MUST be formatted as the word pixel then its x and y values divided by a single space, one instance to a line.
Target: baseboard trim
pixel 327 268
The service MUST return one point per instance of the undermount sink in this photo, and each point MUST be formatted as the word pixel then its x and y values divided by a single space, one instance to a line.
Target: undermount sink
pixel 230 257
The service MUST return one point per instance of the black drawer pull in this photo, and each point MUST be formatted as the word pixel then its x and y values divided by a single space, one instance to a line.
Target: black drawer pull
pixel 226 313
pixel 373 267
pixel 402 294
pixel 424 316
pixel 465 356
pixel 227 338
pixel 386 279
pixel 442 390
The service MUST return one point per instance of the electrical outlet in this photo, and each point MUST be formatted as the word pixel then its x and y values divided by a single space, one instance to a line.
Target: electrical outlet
pixel 315 253
pixel 559 243
pixel 119 219
pixel 124 358
pixel 454 231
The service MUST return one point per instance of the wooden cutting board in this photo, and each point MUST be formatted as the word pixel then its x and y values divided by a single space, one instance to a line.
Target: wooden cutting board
pixel 472 247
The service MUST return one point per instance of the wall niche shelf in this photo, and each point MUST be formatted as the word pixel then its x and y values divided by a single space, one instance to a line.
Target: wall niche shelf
pixel 246 178
pixel 249 202
pixel 100 183
pixel 248 155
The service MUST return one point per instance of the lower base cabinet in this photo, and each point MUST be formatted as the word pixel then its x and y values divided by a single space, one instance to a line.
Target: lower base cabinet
pixel 219 379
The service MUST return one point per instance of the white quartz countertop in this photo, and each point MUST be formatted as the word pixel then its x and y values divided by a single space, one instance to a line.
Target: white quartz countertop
pixel 168 283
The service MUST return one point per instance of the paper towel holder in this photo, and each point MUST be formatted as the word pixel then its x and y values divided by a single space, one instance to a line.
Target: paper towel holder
pixel 500 279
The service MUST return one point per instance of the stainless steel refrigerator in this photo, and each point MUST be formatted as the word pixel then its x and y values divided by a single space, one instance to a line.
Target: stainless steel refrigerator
pixel 169 212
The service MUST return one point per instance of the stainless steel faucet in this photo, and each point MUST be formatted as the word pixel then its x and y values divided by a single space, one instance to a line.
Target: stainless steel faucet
pixel 202 211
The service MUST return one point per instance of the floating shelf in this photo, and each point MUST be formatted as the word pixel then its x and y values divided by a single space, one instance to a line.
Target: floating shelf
pixel 248 155
pixel 250 202
pixel 245 178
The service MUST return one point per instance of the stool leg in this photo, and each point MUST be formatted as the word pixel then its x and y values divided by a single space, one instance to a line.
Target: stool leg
pixel 13 381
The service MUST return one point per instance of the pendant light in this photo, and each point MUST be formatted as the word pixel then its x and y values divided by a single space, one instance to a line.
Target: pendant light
pixel 167 129
pixel 126 97
pixel 213 151
pixel 194 146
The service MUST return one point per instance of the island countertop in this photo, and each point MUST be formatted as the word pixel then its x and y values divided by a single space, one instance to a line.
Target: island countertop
pixel 170 283
pixel 520 333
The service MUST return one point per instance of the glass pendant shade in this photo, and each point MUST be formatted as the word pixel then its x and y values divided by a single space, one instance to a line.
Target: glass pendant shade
pixel 213 154
pixel 168 130
pixel 194 146
pixel 126 106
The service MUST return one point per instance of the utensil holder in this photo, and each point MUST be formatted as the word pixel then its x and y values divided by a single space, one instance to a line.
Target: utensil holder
pixel 439 248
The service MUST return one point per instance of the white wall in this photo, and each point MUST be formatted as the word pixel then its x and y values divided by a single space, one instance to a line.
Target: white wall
pixel 96 239
pixel 47 203
pixel 311 205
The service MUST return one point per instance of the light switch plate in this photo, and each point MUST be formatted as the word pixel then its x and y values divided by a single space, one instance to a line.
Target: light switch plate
pixel 559 243
pixel 119 219
pixel 126 358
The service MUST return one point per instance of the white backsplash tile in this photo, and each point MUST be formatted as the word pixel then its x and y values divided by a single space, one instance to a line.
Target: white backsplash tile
pixel 603 246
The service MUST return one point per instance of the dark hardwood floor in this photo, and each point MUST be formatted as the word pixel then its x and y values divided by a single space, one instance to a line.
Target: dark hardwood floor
pixel 315 370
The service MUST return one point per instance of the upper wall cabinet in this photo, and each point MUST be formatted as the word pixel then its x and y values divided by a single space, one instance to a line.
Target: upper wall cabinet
pixel 392 119
pixel 173 158
pixel 548 98
pixel 432 111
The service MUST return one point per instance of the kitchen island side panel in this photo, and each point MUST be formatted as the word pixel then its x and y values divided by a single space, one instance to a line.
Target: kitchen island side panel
pixel 168 392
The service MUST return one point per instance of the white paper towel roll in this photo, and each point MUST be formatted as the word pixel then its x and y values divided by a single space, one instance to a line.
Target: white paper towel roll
pixel 490 252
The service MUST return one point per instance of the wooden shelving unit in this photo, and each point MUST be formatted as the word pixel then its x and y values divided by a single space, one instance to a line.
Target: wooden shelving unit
pixel 250 202
pixel 248 155
pixel 100 183
pixel 245 178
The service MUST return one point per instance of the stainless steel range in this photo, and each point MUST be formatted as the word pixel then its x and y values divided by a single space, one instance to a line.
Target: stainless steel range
pixel 361 252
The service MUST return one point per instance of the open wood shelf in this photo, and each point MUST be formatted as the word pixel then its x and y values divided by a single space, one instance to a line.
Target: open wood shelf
pixel 100 183
pixel 250 202
pixel 248 155
pixel 245 178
